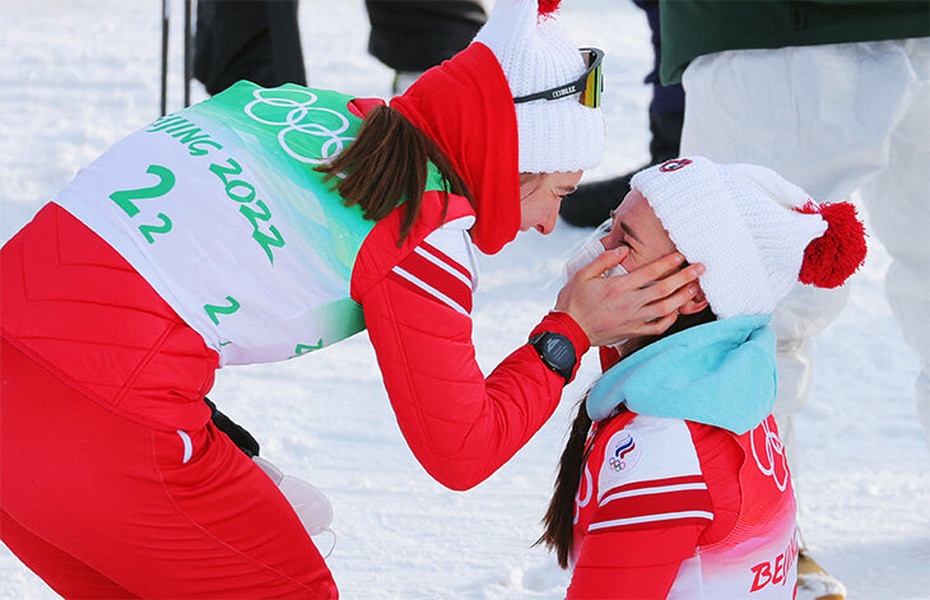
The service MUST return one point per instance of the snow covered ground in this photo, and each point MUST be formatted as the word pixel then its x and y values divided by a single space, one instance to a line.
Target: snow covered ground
pixel 77 75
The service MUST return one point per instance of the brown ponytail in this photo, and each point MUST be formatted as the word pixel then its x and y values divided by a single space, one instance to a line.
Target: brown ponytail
pixel 387 165
pixel 559 518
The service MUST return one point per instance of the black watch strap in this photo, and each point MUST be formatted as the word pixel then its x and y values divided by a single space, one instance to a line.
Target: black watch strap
pixel 556 352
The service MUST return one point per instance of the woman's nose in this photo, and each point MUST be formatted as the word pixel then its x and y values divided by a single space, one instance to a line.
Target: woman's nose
pixel 548 225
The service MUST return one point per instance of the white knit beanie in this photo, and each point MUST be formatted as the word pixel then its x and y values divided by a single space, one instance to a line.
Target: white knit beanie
pixel 536 55
pixel 756 234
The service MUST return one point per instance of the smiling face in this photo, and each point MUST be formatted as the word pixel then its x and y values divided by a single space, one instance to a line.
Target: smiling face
pixel 540 197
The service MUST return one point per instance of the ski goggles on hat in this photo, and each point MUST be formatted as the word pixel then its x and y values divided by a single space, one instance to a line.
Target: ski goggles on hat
pixel 589 85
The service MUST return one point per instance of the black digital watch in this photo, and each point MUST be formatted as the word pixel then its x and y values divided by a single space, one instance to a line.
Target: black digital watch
pixel 556 352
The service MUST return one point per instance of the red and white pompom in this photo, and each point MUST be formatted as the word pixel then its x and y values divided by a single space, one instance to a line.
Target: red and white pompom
pixel 547 7
pixel 830 259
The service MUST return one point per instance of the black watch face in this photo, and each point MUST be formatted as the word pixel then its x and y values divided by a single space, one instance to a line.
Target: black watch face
pixel 559 351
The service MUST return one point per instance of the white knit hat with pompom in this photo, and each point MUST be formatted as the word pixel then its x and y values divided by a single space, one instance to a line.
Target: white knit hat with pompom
pixel 757 234
pixel 536 55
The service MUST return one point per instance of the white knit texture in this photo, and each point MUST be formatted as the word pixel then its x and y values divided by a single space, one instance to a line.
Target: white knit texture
pixel 740 222
pixel 536 55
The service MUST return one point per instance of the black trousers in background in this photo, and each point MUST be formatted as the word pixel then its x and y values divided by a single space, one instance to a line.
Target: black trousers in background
pixel 258 40
pixel 414 35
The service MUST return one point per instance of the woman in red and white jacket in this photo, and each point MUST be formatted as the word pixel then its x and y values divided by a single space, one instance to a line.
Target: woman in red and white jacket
pixel 674 482
pixel 263 224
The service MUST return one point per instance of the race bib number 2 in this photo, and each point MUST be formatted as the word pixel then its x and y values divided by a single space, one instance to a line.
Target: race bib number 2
pixel 126 200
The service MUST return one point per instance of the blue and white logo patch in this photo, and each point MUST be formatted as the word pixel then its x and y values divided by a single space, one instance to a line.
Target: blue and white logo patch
pixel 624 451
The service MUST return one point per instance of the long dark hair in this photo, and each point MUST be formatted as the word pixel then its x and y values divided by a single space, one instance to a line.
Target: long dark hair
pixel 387 165
pixel 558 520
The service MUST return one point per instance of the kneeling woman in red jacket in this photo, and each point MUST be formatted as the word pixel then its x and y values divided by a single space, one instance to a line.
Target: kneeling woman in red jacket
pixel 674 482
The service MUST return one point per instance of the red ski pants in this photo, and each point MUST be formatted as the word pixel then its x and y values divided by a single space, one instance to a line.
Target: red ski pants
pixel 102 504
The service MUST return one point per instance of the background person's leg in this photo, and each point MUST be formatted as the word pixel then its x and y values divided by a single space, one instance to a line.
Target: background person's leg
pixel 898 203
pixel 410 36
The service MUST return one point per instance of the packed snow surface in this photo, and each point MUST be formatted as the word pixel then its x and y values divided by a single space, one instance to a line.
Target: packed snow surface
pixel 77 75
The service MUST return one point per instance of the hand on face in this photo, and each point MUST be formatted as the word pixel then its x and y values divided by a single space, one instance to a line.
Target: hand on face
pixel 646 301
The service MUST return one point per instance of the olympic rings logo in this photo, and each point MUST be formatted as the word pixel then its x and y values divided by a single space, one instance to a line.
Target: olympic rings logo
pixel 773 463
pixel 305 129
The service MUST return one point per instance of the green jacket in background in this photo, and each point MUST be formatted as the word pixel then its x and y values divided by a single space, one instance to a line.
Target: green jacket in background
pixel 692 28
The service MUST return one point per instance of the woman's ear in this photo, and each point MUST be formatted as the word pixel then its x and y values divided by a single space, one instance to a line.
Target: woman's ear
pixel 694 305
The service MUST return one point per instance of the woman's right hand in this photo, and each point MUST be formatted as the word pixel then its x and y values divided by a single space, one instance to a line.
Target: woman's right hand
pixel 642 303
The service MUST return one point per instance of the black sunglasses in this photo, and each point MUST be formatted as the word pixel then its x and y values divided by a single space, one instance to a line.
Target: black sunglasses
pixel 589 85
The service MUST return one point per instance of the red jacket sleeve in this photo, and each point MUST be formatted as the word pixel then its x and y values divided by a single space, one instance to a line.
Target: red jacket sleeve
pixel 460 425
pixel 416 297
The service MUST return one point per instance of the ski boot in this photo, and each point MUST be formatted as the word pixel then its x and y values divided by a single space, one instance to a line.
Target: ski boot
pixel 814 583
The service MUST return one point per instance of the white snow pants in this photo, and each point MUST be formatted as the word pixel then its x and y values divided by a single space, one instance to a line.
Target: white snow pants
pixel 833 119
